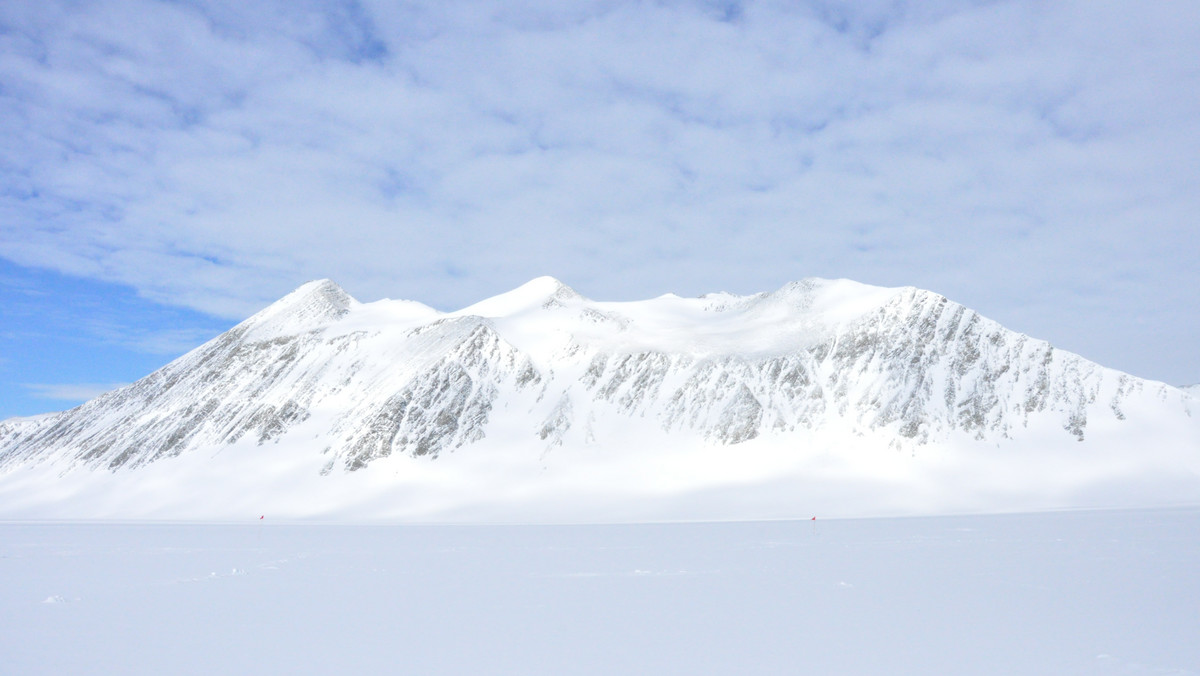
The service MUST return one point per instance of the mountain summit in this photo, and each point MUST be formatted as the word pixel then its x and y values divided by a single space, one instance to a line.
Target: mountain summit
pixel 541 404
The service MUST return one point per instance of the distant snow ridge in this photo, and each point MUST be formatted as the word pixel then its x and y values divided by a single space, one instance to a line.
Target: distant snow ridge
pixel 400 378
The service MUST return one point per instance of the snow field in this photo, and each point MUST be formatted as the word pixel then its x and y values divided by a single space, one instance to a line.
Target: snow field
pixel 1093 592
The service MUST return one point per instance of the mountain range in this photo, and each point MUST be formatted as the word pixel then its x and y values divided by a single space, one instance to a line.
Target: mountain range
pixel 825 396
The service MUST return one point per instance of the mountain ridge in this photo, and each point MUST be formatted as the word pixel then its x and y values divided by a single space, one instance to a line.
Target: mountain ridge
pixel 542 374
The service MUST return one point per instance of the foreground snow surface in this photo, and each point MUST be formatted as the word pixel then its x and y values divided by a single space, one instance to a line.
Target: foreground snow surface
pixel 1097 592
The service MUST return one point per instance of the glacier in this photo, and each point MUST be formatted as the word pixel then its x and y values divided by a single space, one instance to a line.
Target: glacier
pixel 825 396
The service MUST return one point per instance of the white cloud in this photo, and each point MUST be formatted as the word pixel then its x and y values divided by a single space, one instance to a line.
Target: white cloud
pixel 77 392
pixel 1035 161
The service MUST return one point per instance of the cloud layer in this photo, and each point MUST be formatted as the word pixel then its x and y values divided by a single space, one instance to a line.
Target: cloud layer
pixel 1035 161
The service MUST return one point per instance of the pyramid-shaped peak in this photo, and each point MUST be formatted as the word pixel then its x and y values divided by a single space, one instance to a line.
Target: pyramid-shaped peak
pixel 312 305
pixel 546 286
pixel 816 285
pixel 828 301
pixel 323 294
pixel 541 292
pixel 322 285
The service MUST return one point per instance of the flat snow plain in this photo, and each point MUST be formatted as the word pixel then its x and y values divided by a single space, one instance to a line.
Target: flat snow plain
pixel 1088 592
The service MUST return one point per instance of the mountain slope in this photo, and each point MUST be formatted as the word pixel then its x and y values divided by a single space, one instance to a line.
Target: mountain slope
pixel 527 391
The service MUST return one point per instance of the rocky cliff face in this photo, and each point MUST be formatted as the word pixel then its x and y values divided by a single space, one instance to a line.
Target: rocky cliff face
pixel 362 382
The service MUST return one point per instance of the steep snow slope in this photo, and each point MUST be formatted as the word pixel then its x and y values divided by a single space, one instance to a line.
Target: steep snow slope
pixel 540 403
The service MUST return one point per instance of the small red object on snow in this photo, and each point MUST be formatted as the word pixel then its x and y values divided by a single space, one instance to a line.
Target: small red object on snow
pixel 260 518
pixel 814 518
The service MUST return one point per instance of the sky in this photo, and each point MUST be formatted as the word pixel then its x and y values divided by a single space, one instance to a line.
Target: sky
pixel 169 168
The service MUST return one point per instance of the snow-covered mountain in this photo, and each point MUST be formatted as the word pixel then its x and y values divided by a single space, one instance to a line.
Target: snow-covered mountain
pixel 542 404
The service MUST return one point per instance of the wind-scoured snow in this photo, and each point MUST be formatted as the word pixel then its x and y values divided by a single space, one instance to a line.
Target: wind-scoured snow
pixel 1110 593
pixel 540 404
